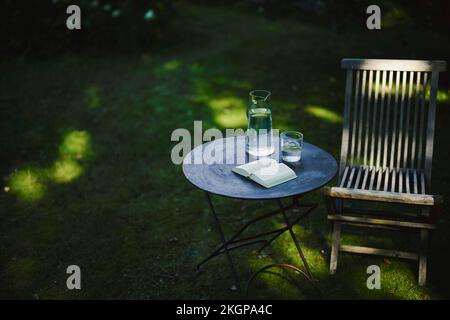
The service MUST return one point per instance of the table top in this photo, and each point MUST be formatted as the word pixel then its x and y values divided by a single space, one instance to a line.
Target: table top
pixel 209 166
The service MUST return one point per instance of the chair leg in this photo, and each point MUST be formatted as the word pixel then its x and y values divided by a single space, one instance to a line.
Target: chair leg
pixel 335 242
pixel 423 257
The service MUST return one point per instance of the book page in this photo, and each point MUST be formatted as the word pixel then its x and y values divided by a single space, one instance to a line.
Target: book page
pixel 269 178
pixel 255 166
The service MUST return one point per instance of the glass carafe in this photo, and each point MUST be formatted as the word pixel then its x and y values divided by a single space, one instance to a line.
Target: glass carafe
pixel 259 132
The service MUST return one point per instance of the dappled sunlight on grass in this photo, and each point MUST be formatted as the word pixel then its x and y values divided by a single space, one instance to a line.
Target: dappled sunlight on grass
pixel 275 283
pixel 75 144
pixel 209 87
pixel 65 171
pixel 227 103
pixel 443 96
pixel 316 260
pixel 30 184
pixel 27 184
pixel 172 65
pixel 220 94
pixel 283 250
pixel 324 114
pixel 229 112
pixel 397 278
pixel 231 119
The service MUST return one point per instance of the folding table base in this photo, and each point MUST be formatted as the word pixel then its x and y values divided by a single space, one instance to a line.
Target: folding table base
pixel 236 242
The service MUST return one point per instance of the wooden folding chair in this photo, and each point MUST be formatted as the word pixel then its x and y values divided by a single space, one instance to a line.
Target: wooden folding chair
pixel 386 153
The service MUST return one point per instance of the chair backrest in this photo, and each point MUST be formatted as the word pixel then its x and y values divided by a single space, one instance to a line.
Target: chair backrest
pixel 389 114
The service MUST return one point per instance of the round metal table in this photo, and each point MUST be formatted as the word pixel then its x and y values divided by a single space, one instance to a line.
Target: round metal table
pixel 208 167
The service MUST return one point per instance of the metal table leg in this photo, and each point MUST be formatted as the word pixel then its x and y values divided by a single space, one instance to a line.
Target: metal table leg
pixel 308 274
pixel 232 242
pixel 224 243
pixel 297 245
pixel 236 241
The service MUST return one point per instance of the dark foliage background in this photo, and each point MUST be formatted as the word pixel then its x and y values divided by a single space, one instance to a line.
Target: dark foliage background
pixel 37 28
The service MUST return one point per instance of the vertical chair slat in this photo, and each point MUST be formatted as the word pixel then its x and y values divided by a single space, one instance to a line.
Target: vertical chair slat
pixel 381 175
pixel 350 179
pixel 430 127
pixel 344 176
pixel 366 138
pixel 415 124
pixel 394 121
pixel 394 179
pixel 387 179
pixel 408 189
pixel 396 128
pixel 373 143
pixel 416 189
pixel 422 121
pixel 374 172
pixel 400 180
pixel 354 119
pixel 383 120
pixel 366 173
pixel 358 176
pixel 369 176
pixel 408 116
pixel 400 126
pixel 389 175
pixel 345 130
pixel 379 178
pixel 361 114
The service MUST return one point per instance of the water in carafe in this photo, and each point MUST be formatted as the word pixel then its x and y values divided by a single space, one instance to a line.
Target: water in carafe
pixel 259 131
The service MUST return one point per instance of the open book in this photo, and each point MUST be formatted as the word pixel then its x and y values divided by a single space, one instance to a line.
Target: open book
pixel 266 172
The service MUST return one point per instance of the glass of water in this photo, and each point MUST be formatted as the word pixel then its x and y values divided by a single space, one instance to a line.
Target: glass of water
pixel 291 143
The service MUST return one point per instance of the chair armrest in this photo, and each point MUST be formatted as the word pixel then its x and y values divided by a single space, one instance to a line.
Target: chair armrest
pixel 383 196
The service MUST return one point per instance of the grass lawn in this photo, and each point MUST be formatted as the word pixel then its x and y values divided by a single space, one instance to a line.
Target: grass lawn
pixel 87 176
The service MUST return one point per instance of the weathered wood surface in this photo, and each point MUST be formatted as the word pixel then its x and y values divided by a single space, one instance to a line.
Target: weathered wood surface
pixel 383 196
pixel 385 222
pixel 379 252
pixel 392 64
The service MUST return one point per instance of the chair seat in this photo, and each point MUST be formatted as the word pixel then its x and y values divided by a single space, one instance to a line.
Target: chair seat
pixel 401 180
pixel 406 186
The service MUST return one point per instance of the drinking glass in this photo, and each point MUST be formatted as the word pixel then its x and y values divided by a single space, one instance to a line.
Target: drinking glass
pixel 291 146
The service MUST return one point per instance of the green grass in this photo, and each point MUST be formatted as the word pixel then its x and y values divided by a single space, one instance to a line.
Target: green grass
pixel 87 177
